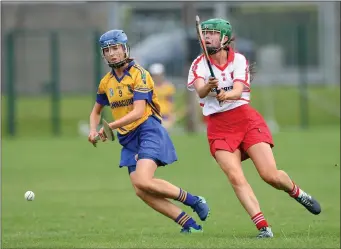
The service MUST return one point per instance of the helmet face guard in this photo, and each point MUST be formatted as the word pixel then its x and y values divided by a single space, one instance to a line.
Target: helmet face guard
pixel 115 38
pixel 121 63
pixel 220 26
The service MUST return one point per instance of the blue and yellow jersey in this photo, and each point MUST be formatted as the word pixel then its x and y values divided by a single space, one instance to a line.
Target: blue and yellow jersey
pixel 120 94
pixel 165 93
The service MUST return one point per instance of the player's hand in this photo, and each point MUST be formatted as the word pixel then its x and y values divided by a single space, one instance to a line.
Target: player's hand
pixel 213 82
pixel 92 136
pixel 222 96
pixel 102 135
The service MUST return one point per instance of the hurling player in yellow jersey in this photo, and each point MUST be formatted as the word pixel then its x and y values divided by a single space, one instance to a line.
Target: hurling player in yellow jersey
pixel 128 90
pixel 165 91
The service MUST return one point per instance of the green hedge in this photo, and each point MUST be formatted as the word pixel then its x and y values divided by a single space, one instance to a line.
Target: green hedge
pixel 33 113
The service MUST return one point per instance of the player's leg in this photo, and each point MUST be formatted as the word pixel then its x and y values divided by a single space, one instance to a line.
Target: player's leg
pixel 146 182
pixel 230 163
pixel 165 207
pixel 262 156
pixel 257 143
pixel 157 149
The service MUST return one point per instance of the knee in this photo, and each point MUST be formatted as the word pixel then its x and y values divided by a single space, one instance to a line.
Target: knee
pixel 139 193
pixel 237 180
pixel 271 177
pixel 143 185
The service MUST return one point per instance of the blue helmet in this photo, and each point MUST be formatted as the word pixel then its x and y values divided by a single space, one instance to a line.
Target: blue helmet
pixel 112 38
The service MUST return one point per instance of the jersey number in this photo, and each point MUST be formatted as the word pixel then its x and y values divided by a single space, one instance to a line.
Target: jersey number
pixel 120 93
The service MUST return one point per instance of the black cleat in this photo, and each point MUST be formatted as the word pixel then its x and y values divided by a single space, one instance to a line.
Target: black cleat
pixel 309 203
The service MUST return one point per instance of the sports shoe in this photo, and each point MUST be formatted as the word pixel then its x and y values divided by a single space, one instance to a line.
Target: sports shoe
pixel 309 203
pixel 265 232
pixel 191 230
pixel 201 208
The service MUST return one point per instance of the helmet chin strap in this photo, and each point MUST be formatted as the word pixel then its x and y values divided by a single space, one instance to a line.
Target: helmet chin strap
pixel 122 62
pixel 118 64
pixel 213 50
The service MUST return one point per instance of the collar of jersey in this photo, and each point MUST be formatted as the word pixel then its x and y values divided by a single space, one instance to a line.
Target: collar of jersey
pixel 230 58
pixel 125 72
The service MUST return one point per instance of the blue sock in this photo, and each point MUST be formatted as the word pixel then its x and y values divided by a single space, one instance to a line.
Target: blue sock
pixel 186 221
pixel 186 198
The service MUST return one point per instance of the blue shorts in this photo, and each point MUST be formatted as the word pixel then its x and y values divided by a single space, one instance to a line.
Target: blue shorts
pixel 148 141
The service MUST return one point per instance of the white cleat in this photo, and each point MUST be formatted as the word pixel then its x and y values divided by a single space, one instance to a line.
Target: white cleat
pixel 265 232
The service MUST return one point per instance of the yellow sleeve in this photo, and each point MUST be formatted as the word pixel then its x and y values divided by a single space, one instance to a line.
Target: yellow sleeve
pixel 143 86
pixel 101 87
pixel 102 97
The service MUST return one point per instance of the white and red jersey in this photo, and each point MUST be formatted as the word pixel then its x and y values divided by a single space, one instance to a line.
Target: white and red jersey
pixel 236 69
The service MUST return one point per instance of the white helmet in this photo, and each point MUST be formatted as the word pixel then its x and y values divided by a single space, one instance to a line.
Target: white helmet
pixel 156 68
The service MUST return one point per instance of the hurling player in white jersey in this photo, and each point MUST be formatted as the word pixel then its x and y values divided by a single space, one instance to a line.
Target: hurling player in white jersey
pixel 235 130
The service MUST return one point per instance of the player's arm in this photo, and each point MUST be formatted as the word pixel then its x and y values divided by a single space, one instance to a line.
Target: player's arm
pixel 95 116
pixel 202 88
pixel 233 94
pixel 101 101
pixel 196 76
pixel 135 114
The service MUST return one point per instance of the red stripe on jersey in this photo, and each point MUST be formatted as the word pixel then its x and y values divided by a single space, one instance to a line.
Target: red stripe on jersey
pixel 191 83
pixel 246 74
pixel 195 66
pixel 244 99
pixel 243 81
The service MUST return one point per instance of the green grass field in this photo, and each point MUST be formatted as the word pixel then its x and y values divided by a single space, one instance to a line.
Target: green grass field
pixel 83 200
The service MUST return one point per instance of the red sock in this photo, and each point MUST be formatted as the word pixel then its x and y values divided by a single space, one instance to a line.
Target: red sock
pixel 295 191
pixel 259 220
